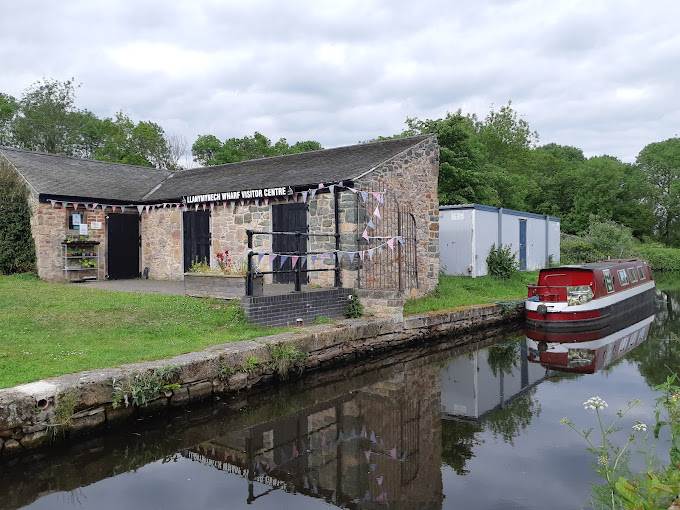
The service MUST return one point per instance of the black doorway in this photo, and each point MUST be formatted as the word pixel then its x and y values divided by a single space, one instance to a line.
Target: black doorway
pixel 288 218
pixel 123 246
pixel 196 237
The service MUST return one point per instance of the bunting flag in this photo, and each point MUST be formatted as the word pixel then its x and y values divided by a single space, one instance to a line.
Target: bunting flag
pixel 64 205
pixel 340 255
pixel 294 260
pixel 380 481
pixel 295 197
pixel 371 225
pixel 224 205
pixel 140 208
pixel 233 205
pixel 204 206
pixel 313 260
pixel 377 212
pixel 266 201
pixel 332 188
pixel 401 241
pixel 367 453
pixel 332 256
pixel 390 243
pixel 257 201
pixel 122 208
pixel 378 196
pixel 148 207
pixel 272 258
pixel 186 207
pixel 304 197
pixel 361 255
pixel 313 194
pixel 75 206
pixel 241 203
pixel 53 202
pixel 282 260
pixel 212 206
pixel 365 235
pixel 370 253
pixel 351 254
pixel 352 190
pixel 94 206
pixel 113 208
pixel 364 195
pixel 259 258
pixel 196 206
pixel 321 186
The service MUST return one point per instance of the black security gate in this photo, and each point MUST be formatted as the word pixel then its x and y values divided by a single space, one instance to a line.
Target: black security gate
pixel 196 237
pixel 288 218
pixel 123 246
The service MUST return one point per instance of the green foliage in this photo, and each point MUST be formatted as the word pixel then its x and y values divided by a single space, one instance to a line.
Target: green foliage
pixel 208 150
pixel 234 313
pixel 658 257
pixel 354 308
pixel 501 262
pixel 139 388
pixel 578 251
pixel 17 249
pixel 251 365
pixel 604 239
pixel 285 357
pixel 225 370
pixel 322 319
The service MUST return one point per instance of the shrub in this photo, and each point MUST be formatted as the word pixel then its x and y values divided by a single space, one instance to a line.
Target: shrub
pixel 354 307
pixel 658 257
pixel 610 238
pixel 17 249
pixel 501 262
pixel 285 357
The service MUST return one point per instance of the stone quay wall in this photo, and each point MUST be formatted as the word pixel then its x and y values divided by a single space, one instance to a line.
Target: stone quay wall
pixel 64 407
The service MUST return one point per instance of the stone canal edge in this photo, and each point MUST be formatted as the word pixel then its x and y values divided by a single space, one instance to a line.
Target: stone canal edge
pixel 75 404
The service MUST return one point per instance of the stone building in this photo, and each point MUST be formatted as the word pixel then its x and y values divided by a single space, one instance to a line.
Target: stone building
pixel 368 210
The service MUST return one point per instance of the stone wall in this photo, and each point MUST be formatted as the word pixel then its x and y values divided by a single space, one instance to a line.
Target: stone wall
pixel 161 232
pixel 49 226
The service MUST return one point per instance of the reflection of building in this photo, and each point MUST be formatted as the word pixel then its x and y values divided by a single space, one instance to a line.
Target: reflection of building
pixel 485 380
pixel 378 445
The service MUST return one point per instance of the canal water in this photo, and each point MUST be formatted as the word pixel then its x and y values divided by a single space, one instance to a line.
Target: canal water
pixel 437 427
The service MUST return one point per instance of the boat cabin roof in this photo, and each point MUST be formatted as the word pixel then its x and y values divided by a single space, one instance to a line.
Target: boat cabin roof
pixel 603 264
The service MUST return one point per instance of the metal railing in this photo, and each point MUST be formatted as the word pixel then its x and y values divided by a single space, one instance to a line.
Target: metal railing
pixel 297 269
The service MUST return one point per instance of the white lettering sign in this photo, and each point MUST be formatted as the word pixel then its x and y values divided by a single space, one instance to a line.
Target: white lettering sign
pixel 238 195
pixel 96 225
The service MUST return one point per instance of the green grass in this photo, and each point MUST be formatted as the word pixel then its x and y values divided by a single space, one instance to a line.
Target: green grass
pixel 51 329
pixel 455 291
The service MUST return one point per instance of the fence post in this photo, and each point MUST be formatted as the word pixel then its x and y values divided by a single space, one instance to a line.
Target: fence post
pixel 298 285
pixel 249 272
pixel 399 261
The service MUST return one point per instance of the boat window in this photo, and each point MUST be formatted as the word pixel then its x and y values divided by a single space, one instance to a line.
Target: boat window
pixel 623 277
pixel 632 274
pixel 641 273
pixel 608 280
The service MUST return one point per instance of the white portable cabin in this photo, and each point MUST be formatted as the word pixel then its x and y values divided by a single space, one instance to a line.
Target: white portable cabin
pixel 467 232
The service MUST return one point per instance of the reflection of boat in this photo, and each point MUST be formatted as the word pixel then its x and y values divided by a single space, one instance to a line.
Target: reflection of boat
pixel 587 356
pixel 589 296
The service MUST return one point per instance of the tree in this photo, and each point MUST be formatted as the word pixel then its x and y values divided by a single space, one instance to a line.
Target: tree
pixel 17 249
pixel 177 145
pixel 46 120
pixel 8 109
pixel 660 163
pixel 205 148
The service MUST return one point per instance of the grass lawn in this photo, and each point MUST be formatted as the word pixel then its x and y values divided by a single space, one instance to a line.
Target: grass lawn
pixel 454 291
pixel 50 329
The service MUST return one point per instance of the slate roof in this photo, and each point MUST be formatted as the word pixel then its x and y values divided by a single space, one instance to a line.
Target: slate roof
pixel 50 174
pixel 60 175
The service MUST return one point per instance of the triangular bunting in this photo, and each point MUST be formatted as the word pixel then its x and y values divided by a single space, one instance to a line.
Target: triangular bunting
pixel 266 201
pixel 321 186
pixel 365 235
pixel 148 207
pixel 313 193
pixel 313 260
pixel 294 197
pixel 122 208
pixel 259 258
pixel 53 202
pixel 113 208
pixel 233 204
pixel 140 208
pixel 370 225
pixel 401 240
pixel 196 206
pixel 186 208
pixel 272 258
pixel 351 255
pixel 364 195
pixel 64 205
pixel 352 190
pixel 94 206
pixel 75 206
pixel 370 253
pixel 361 254
pixel 378 196
pixel 257 201
pixel 304 197
pixel 282 260
pixel 376 212
pixel 212 206
pixel 390 243
pixel 294 260
pixel 332 188
pixel 204 206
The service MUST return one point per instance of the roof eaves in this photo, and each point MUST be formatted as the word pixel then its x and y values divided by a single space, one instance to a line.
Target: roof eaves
pixel 390 158
pixel 28 183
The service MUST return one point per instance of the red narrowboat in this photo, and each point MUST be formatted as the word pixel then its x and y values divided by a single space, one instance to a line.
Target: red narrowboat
pixel 589 296
pixel 588 356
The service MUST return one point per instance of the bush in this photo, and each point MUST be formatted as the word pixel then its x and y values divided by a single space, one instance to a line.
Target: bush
pixel 17 249
pixel 658 257
pixel 610 238
pixel 501 262
pixel 354 307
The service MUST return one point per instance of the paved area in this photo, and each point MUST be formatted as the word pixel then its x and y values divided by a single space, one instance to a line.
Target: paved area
pixel 171 287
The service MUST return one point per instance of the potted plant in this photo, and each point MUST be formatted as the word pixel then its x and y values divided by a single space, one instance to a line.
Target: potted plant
pixel 228 281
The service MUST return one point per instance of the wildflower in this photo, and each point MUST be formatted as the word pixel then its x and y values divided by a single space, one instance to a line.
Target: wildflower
pixel 595 403
pixel 603 460
pixel 640 427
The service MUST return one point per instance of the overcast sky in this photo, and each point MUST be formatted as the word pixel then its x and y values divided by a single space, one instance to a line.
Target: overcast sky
pixel 600 75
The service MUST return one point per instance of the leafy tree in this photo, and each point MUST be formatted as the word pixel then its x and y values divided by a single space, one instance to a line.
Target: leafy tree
pixel 45 120
pixel 205 149
pixel 660 162
pixel 8 109
pixel 17 249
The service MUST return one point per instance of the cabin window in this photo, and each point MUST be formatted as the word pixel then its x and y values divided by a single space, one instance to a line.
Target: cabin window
pixel 641 273
pixel 608 280
pixel 632 274
pixel 623 277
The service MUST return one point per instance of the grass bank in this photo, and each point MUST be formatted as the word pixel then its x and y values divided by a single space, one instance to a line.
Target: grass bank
pixel 454 291
pixel 50 329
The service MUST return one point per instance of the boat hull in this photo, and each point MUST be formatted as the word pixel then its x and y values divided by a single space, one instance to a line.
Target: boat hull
pixel 634 304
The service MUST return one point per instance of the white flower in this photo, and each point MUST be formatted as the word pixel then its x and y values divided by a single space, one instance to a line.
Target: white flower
pixel 595 403
pixel 640 427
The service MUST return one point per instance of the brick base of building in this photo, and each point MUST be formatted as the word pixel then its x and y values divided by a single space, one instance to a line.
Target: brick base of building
pixel 286 309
